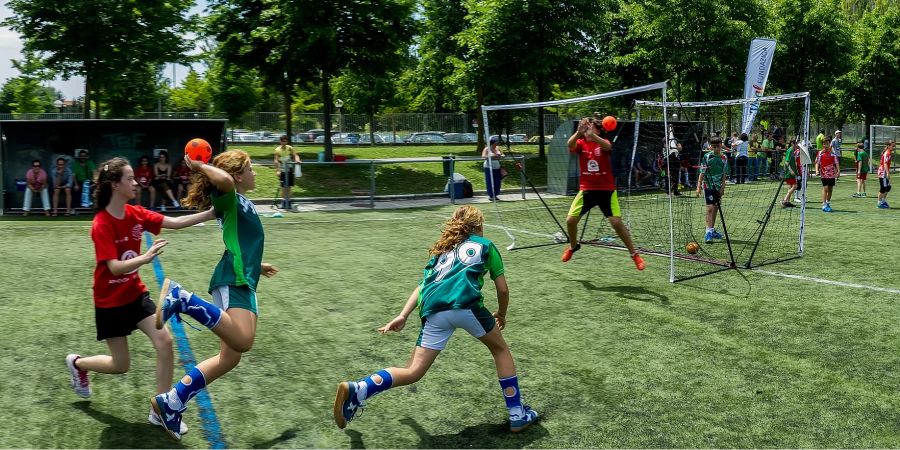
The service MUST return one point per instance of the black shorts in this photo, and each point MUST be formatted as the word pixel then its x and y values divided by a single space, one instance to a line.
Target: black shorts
pixel 828 181
pixel 290 177
pixel 120 321
pixel 711 196
pixel 161 184
pixel 885 185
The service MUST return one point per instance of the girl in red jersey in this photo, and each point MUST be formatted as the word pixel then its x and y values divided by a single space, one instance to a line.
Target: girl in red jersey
pixel 144 177
pixel 121 301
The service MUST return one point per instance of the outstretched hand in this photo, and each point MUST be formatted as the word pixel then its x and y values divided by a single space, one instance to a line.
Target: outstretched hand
pixel 268 270
pixel 396 324
pixel 155 249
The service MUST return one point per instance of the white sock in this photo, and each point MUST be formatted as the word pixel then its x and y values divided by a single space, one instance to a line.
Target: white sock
pixel 710 230
pixel 361 390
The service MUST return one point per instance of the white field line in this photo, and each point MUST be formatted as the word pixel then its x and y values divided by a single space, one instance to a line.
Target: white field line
pixel 824 281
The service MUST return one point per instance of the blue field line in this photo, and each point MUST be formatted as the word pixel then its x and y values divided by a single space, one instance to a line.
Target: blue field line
pixel 208 419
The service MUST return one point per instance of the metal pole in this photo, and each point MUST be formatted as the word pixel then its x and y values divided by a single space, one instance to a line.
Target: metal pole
pixel 522 174
pixel 451 185
pixel 372 184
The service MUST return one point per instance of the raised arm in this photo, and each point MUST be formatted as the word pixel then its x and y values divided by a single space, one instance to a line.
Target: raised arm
pixel 219 178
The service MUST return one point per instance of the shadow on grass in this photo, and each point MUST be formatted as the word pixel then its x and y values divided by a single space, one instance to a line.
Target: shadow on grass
pixel 489 435
pixel 123 434
pixel 285 435
pixel 356 440
pixel 628 292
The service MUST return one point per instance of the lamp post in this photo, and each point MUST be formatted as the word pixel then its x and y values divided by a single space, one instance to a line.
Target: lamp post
pixel 59 106
pixel 338 103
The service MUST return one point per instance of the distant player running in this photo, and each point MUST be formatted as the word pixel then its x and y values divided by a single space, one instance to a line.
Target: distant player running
pixel 233 313
pixel 713 171
pixel 449 297
pixel 597 187
pixel 121 301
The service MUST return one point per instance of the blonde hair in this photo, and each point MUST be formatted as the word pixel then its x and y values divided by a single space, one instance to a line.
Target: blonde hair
pixel 232 161
pixel 466 220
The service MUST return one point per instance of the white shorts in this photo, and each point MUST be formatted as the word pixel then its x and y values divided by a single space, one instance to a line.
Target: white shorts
pixel 438 327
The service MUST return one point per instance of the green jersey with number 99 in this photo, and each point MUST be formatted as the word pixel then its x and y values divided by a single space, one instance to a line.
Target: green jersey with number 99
pixel 454 279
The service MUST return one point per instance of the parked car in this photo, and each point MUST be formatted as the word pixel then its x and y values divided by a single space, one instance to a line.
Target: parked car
pixel 461 137
pixel 365 138
pixel 391 138
pixel 513 138
pixel 547 138
pixel 427 137
pixel 340 138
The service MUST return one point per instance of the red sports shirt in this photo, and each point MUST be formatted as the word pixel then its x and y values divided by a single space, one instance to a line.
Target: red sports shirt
pixel 143 175
pixel 120 239
pixel 596 168
pixel 827 161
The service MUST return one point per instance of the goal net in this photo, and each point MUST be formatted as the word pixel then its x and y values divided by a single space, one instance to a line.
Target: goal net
pixel 656 186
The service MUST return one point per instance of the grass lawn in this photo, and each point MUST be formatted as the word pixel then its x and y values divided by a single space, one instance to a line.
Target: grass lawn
pixel 610 357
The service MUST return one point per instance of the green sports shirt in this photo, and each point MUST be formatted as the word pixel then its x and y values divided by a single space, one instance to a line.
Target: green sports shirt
pixel 712 167
pixel 243 235
pixel 863 156
pixel 454 279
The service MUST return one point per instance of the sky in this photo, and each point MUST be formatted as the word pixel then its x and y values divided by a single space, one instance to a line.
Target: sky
pixel 11 48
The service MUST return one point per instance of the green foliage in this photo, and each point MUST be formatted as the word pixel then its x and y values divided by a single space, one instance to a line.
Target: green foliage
pixel 815 49
pixel 699 45
pixel 104 40
pixel 27 93
pixel 872 85
pixel 234 90
pixel 192 95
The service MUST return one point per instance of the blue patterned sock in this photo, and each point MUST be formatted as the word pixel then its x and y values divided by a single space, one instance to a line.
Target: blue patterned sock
pixel 377 382
pixel 201 310
pixel 189 385
pixel 510 388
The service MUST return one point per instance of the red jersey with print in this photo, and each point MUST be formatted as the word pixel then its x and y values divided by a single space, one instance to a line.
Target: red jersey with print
pixel 885 164
pixel 596 168
pixel 120 239
pixel 826 163
pixel 143 175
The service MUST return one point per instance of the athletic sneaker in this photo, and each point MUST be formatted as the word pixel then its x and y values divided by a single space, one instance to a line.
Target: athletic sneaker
pixel 519 423
pixel 827 208
pixel 171 419
pixel 170 303
pixel 80 381
pixel 717 235
pixel 162 207
pixel 863 194
pixel 346 404
pixel 567 255
pixel 856 195
pixel 155 420
pixel 882 205
pixel 708 237
pixel 638 261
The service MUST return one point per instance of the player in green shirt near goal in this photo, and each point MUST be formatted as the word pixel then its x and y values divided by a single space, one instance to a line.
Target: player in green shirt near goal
pixel 449 297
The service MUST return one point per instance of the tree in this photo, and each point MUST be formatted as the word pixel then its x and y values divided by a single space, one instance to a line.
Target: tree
pixel 103 39
pixel 28 96
pixel 815 50
pixel 324 38
pixel 426 87
pixel 193 95
pixel 872 84
pixel 699 45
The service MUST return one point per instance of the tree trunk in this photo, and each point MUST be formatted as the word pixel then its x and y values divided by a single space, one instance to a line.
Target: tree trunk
pixel 87 97
pixel 479 118
pixel 326 97
pixel 288 114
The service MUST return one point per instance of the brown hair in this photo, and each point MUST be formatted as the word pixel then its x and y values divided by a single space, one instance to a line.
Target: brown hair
pixel 110 172
pixel 232 161
pixel 466 220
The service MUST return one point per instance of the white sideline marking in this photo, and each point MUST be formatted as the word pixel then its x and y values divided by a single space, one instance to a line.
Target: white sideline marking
pixel 824 281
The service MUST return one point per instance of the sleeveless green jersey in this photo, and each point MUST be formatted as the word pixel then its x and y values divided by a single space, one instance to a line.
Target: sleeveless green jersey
pixel 243 235
pixel 454 279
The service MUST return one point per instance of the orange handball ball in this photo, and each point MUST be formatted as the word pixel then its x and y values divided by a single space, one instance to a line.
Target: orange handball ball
pixel 609 123
pixel 198 150
pixel 692 247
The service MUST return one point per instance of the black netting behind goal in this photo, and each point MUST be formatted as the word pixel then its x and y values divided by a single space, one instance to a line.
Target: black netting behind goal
pixel 656 157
